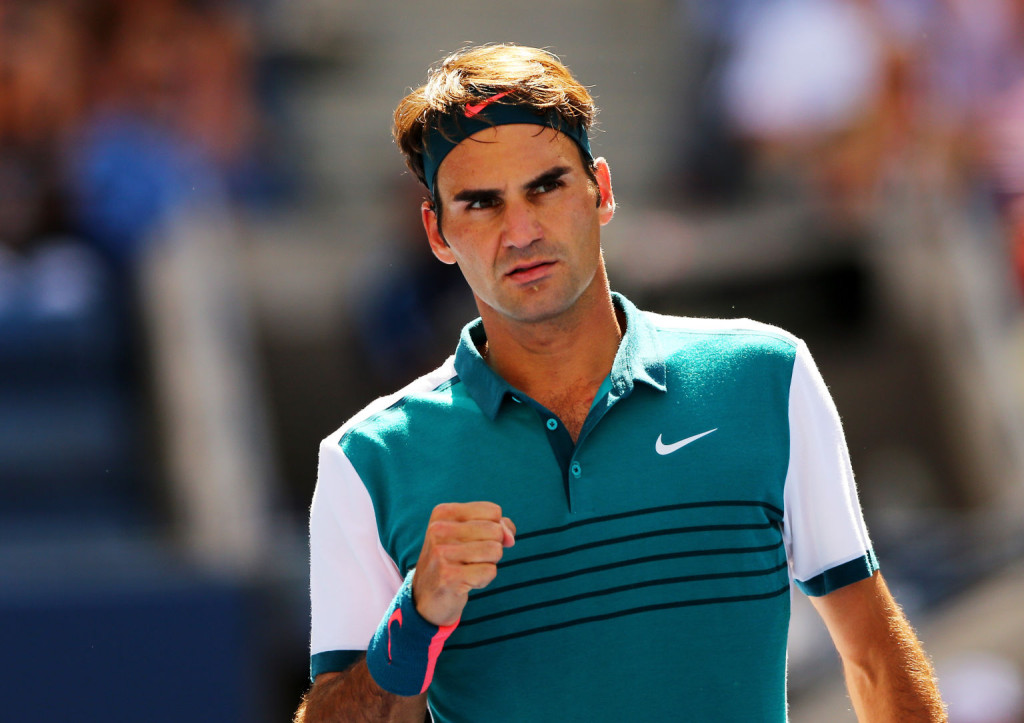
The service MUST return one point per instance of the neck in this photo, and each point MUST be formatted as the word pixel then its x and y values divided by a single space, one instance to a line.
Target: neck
pixel 575 349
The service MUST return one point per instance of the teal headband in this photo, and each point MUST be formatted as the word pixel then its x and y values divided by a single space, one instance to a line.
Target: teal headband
pixel 453 128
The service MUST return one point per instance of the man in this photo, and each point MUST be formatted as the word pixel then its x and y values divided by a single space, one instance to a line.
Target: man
pixel 588 512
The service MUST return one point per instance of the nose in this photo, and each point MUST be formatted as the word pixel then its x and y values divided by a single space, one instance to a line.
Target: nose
pixel 521 226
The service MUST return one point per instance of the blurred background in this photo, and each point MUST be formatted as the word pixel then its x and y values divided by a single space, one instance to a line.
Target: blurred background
pixel 210 257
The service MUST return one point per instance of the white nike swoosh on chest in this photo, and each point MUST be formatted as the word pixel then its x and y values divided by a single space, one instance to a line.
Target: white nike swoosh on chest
pixel 662 448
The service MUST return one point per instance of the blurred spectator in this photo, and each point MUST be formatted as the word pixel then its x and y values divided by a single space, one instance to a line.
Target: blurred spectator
pixel 808 96
pixel 48 274
pixel 714 162
pixel 44 270
pixel 62 344
pixel 43 72
pixel 413 302
pixel 114 115
pixel 829 98
pixel 821 88
pixel 802 67
pixel 971 72
pixel 174 119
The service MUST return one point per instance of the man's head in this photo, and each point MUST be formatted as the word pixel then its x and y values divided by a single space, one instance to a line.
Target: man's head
pixel 489 85
pixel 498 135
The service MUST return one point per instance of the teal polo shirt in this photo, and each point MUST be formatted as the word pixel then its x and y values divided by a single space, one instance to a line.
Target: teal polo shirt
pixel 650 578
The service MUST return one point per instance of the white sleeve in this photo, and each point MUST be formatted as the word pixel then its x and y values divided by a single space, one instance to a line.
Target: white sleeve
pixel 352 578
pixel 823 528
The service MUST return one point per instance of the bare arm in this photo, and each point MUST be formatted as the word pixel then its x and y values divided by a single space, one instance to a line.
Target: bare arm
pixel 888 675
pixel 354 696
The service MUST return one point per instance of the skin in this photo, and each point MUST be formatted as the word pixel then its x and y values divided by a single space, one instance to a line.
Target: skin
pixel 523 220
pixel 352 696
pixel 888 675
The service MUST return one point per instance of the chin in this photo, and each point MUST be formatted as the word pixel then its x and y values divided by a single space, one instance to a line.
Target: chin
pixel 540 309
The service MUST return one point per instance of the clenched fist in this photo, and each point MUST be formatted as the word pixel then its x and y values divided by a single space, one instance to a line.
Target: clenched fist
pixel 461 550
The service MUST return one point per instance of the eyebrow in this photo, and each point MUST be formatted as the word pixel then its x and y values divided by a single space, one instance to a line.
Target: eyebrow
pixel 547 177
pixel 483 194
pixel 477 194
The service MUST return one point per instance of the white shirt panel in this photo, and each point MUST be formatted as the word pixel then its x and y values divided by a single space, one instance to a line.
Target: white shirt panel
pixel 352 578
pixel 823 524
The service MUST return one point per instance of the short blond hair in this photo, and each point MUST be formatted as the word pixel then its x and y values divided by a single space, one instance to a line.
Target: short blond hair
pixel 530 77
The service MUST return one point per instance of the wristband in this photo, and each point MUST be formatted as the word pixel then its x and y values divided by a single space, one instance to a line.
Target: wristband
pixel 402 653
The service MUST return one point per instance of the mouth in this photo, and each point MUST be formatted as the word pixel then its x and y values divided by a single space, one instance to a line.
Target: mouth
pixel 530 271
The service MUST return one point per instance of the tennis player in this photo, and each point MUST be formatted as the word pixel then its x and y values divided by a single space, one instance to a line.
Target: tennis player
pixel 589 512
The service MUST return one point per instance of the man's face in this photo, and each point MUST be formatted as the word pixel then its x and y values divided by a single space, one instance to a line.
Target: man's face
pixel 521 219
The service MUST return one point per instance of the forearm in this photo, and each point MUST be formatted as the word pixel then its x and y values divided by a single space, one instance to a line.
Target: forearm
pixel 354 696
pixel 887 672
pixel 894 681
pixel 901 691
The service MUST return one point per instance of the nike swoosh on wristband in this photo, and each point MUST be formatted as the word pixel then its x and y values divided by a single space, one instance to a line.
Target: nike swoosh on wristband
pixel 397 615
pixel 662 448
pixel 473 109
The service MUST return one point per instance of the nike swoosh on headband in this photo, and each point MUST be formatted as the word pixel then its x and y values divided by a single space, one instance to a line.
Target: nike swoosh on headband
pixel 448 130
pixel 473 109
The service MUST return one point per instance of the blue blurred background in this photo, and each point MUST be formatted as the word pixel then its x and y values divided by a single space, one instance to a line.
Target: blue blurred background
pixel 210 256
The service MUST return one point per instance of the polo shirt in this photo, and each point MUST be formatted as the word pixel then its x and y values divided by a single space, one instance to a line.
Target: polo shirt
pixel 651 574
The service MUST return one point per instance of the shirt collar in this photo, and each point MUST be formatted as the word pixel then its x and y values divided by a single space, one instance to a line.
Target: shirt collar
pixel 639 359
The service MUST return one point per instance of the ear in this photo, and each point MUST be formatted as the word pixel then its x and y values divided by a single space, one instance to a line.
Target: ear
pixel 604 183
pixel 437 243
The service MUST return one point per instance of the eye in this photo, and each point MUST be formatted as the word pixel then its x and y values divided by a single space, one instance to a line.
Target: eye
pixel 482 203
pixel 548 186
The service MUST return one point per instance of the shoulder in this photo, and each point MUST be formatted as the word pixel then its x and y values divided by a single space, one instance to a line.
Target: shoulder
pixel 743 336
pixel 430 390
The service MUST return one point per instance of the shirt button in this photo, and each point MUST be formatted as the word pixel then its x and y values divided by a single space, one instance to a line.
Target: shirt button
pixel 552 424
pixel 576 469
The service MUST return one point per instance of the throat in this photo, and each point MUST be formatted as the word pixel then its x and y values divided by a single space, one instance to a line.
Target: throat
pixel 571 405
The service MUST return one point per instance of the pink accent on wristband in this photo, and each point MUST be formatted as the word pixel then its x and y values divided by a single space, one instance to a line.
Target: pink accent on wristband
pixel 397 615
pixel 436 645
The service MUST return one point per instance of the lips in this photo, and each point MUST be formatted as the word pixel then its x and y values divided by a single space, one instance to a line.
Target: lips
pixel 530 271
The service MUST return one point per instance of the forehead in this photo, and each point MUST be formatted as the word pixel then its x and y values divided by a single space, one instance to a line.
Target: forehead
pixel 506 155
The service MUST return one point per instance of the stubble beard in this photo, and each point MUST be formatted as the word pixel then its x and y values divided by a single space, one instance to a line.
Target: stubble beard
pixel 559 309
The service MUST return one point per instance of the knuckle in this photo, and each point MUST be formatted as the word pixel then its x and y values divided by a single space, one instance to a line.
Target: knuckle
pixel 444 510
pixel 446 553
pixel 444 532
pixel 490 531
pixel 488 511
pixel 494 551
pixel 486 575
pixel 438 528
